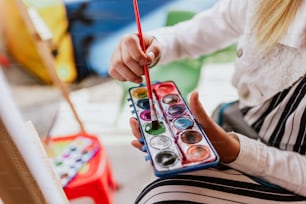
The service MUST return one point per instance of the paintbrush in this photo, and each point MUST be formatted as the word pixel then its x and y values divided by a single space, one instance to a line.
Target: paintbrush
pixel 146 69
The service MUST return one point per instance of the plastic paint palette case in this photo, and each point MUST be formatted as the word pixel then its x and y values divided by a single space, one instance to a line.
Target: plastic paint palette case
pixel 73 158
pixel 179 144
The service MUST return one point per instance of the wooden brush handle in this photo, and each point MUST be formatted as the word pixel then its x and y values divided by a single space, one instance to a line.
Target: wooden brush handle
pixel 48 60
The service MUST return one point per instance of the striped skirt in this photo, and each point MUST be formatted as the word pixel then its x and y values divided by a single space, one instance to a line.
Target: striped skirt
pixel 279 122
pixel 217 185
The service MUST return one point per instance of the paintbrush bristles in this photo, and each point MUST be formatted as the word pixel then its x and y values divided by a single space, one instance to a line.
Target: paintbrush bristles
pixel 154 119
pixel 155 125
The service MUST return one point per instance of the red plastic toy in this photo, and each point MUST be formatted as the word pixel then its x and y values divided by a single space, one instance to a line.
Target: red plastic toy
pixel 95 179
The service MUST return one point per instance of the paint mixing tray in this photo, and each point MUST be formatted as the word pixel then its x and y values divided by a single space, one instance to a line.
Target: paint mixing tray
pixel 179 144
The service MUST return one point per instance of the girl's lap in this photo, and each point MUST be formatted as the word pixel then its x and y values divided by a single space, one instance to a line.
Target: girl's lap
pixel 215 185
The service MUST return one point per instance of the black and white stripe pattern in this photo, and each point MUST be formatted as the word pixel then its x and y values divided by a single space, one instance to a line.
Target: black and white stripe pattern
pixel 281 121
pixel 221 185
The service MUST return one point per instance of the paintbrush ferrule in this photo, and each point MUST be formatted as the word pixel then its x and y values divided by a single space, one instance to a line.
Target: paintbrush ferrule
pixel 153 111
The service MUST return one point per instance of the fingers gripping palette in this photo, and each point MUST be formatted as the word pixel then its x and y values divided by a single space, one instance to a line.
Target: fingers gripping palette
pixel 178 144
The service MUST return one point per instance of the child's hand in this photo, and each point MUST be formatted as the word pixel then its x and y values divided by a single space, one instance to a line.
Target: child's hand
pixel 128 59
pixel 136 133
pixel 228 147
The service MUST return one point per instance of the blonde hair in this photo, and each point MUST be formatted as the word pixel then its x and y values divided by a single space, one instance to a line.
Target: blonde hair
pixel 273 20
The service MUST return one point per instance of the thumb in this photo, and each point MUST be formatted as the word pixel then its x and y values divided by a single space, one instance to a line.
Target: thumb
pixel 227 147
pixel 209 126
pixel 198 111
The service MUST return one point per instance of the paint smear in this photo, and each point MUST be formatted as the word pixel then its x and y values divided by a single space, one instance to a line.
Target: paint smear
pixel 176 110
pixel 145 115
pixel 160 142
pixel 183 123
pixel 166 158
pixel 198 153
pixel 165 88
pixel 191 137
pixel 143 104
pixel 171 98
pixel 161 129
pixel 140 93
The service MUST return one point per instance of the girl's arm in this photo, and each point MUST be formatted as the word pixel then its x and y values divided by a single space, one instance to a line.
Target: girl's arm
pixel 208 31
pixel 284 168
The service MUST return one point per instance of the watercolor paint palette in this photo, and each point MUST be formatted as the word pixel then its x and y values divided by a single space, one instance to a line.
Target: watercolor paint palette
pixel 178 144
pixel 69 162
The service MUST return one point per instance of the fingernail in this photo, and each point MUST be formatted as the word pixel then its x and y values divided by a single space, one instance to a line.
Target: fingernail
pixel 151 55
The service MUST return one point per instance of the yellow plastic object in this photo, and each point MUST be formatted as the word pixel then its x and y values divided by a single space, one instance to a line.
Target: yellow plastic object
pixel 21 45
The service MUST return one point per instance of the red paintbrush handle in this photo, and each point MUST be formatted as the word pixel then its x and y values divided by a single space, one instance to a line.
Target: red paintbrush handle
pixel 146 69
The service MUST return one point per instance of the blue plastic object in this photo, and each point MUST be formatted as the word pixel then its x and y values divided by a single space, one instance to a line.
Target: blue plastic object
pixel 92 21
pixel 153 15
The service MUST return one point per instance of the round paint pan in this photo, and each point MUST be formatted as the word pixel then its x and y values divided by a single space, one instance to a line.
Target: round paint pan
pixel 165 88
pixel 166 159
pixel 171 99
pixel 161 129
pixel 145 115
pixel 140 93
pixel 143 103
pixel 183 123
pixel 191 136
pixel 197 153
pixel 176 110
pixel 160 142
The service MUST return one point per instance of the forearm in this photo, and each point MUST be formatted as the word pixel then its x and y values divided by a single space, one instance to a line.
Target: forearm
pixel 206 32
pixel 283 168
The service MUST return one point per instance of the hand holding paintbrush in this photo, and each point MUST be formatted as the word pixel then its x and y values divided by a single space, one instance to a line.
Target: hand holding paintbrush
pixel 146 69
